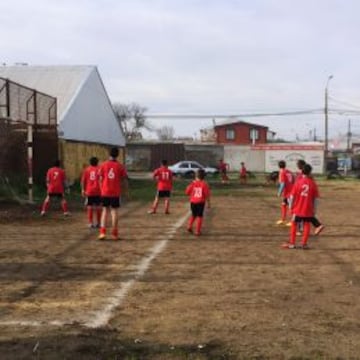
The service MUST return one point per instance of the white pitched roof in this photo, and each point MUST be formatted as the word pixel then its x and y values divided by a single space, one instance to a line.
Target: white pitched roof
pixel 84 109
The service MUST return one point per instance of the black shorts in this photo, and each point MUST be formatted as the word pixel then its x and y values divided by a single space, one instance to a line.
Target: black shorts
pixel 197 209
pixel 56 195
pixel 93 200
pixel 299 219
pixel 113 202
pixel 163 193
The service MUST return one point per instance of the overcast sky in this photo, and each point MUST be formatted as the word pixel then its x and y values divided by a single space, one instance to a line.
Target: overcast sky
pixel 201 56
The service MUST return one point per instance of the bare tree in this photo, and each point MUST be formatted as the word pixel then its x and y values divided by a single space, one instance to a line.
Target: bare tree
pixel 132 119
pixel 165 133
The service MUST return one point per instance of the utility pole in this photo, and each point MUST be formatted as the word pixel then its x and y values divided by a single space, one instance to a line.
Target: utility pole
pixel 326 110
pixel 348 136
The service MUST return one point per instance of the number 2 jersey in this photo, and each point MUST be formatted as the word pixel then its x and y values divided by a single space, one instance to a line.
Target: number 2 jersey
pixel 164 178
pixel 198 191
pixel 111 172
pixel 90 181
pixel 303 194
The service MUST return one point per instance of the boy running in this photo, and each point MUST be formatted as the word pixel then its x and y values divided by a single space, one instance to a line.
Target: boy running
pixel 55 182
pixel 223 169
pixel 286 180
pixel 112 173
pixel 303 200
pixel 164 178
pixel 90 189
pixel 199 193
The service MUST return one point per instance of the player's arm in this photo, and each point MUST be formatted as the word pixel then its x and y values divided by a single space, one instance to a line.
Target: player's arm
pixel 281 184
pixel 83 184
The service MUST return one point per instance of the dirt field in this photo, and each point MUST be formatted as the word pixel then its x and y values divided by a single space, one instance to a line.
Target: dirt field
pixel 161 293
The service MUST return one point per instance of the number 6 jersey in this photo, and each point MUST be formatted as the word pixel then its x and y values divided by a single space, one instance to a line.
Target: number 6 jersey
pixel 111 172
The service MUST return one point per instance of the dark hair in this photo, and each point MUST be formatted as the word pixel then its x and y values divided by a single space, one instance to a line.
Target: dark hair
pixel 282 164
pixel 200 174
pixel 307 169
pixel 114 152
pixel 164 162
pixel 94 161
pixel 300 163
pixel 57 163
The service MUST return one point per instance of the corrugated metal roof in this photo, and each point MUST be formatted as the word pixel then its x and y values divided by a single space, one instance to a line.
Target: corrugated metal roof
pixel 84 109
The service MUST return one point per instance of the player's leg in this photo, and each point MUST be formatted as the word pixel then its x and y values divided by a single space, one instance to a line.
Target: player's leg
pixel 64 205
pixel 199 217
pixel 306 233
pixel 192 217
pixel 104 214
pixel 167 201
pixel 115 204
pixel 319 227
pixel 283 211
pixel 155 204
pixel 45 206
pixel 292 241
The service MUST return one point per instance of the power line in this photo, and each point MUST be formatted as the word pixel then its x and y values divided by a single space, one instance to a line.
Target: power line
pixel 344 102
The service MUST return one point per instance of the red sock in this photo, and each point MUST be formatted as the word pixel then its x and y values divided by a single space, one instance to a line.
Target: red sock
pixel 306 233
pixel 293 232
pixel 283 211
pixel 90 214
pixel 191 221
pixel 64 206
pixel 198 225
pixel 102 231
pixel 45 206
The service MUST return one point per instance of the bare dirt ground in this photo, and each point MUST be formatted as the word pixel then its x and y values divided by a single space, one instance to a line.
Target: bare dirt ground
pixel 161 293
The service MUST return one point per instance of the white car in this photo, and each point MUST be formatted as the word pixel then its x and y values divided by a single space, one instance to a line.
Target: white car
pixel 189 168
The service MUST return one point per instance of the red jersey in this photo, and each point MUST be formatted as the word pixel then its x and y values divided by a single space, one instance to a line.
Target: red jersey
pixel 286 177
pixel 164 178
pixel 111 172
pixel 90 181
pixel 223 167
pixel 304 193
pixel 198 191
pixel 55 180
pixel 243 171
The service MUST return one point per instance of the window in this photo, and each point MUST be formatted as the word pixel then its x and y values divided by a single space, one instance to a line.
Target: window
pixel 230 134
pixel 254 134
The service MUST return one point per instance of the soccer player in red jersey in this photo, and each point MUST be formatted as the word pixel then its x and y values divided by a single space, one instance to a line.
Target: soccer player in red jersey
pixel 319 227
pixel 90 189
pixel 55 182
pixel 243 174
pixel 164 177
pixel 286 181
pixel 223 169
pixel 303 201
pixel 199 193
pixel 112 174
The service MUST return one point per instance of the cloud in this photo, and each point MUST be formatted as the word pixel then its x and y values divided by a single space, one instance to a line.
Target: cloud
pixel 217 56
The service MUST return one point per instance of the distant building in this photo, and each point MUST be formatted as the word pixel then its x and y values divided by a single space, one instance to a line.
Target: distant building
pixel 241 133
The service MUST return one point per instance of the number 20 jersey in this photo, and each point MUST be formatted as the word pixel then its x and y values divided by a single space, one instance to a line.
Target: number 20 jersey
pixel 111 172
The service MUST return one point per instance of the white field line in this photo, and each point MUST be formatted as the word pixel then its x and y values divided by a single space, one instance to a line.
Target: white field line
pixel 102 317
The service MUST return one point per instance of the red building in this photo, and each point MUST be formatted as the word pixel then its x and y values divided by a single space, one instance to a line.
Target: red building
pixel 241 133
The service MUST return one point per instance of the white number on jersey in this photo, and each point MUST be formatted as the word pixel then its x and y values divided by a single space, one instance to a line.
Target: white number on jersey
pixel 165 176
pixel 198 192
pixel 305 190
pixel 111 174
pixel 92 175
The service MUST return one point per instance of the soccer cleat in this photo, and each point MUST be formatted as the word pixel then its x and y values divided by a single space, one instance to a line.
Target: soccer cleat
pixel 167 212
pixel 90 226
pixel 42 213
pixel 102 237
pixel 288 246
pixel 298 233
pixel 151 212
pixel 288 223
pixel 66 213
pixel 114 235
pixel 280 222
pixel 198 233
pixel 190 230
pixel 304 247
pixel 319 229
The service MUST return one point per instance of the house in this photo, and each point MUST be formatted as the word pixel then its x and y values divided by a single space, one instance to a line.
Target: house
pixel 240 133
pixel 86 122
